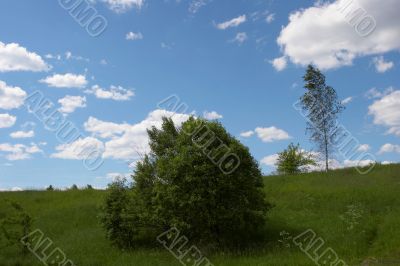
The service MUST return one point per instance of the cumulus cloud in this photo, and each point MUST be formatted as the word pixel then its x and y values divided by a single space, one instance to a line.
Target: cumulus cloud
pixel 357 163
pixel 80 149
pixel 70 103
pixel 386 112
pixel 67 80
pixel 7 120
pixel 11 97
pixel 129 141
pixel 271 134
pixel 22 134
pixel 247 134
pixel 270 160
pixel 16 152
pixel 116 93
pixel 121 6
pixel 132 36
pixel 388 148
pixel 212 115
pixel 279 63
pixel 363 148
pixel 14 57
pixel 232 23
pixel 381 65
pixel 325 34
pixel 105 129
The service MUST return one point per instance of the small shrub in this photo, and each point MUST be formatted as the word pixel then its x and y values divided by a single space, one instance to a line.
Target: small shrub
pixel 294 160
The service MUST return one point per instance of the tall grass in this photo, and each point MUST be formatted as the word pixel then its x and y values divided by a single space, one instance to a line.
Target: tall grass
pixel 356 215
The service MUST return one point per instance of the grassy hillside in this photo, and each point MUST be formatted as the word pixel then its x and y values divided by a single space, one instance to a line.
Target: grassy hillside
pixel 357 216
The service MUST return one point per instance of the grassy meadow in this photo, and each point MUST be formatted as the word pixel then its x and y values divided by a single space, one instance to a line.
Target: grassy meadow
pixel 358 216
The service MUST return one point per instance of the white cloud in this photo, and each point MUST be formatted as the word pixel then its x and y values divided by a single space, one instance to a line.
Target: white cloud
pixel 16 152
pixel 51 56
pixel 240 37
pixel 374 93
pixel 386 112
pixel 115 176
pixel 247 134
pixel 363 148
pixel 270 18
pixel 132 36
pixel 11 97
pixel 356 163
pixel 271 134
pixel 121 6
pixel 70 103
pixel 381 65
pixel 388 148
pixel 347 100
pixel 7 120
pixel 322 34
pixel 279 63
pixel 116 93
pixel 128 142
pixel 80 149
pixel 232 23
pixel 69 56
pixel 270 160
pixel 22 134
pixel 195 5
pixel 67 80
pixel 105 129
pixel 14 57
pixel 212 115
pixel 166 46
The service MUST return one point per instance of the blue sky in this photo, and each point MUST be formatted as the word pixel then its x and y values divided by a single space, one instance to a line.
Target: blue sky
pixel 239 61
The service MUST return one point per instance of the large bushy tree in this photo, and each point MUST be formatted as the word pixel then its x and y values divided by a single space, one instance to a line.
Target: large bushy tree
pixel 322 107
pixel 197 178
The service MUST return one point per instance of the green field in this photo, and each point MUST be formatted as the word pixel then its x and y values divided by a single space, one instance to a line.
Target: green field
pixel 358 216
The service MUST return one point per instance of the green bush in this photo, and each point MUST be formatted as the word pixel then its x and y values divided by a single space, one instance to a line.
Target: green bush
pixel 294 160
pixel 197 178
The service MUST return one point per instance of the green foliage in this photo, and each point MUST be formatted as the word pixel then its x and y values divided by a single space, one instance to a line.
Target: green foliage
pixel 182 184
pixel 50 188
pixel 74 187
pixel 89 187
pixel 321 103
pixel 15 223
pixel 294 160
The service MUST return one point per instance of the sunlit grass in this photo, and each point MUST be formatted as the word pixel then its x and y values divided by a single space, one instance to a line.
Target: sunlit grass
pixel 356 215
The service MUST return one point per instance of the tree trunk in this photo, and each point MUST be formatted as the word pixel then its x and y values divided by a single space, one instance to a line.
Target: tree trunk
pixel 326 151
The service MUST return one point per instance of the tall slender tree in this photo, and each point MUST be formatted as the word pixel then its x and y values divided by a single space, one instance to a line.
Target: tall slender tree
pixel 322 107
